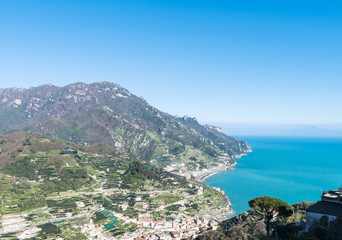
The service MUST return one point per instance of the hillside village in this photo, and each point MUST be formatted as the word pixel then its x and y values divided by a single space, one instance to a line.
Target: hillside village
pixel 69 191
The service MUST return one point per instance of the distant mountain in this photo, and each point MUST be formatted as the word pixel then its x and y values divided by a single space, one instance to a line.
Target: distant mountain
pixel 104 112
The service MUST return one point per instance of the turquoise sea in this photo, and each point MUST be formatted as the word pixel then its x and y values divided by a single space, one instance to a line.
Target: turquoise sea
pixel 293 169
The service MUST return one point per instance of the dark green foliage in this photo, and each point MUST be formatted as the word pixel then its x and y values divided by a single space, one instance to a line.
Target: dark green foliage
pixel 21 168
pixel 177 150
pixel 69 178
pixel 69 173
pixel 285 211
pixel 75 178
pixel 117 233
pixel 130 212
pixel 27 142
pixel 251 226
pixel 20 188
pixel 269 206
pixel 55 186
pixel 138 169
pixel 31 202
pixel 48 229
pixel 9 236
pixel 288 232
pixel 131 202
pixel 173 207
pixel 131 227
pixel 98 217
pixel 210 151
pixel 325 230
pixel 63 204
pixel 194 206
pixel 322 230
pixel 111 207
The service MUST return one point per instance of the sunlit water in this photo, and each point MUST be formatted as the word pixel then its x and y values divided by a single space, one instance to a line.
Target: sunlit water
pixel 293 169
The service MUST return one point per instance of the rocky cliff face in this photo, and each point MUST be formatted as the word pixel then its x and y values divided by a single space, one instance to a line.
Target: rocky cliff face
pixel 104 112
pixel 227 144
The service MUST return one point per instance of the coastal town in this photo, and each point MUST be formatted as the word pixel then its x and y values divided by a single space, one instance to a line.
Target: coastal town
pixel 145 225
pixel 147 228
pixel 119 201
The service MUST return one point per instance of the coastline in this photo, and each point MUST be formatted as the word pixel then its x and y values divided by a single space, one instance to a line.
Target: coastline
pixel 210 172
pixel 225 215
pixel 203 176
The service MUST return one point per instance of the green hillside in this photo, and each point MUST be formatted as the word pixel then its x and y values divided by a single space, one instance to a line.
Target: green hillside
pixel 106 113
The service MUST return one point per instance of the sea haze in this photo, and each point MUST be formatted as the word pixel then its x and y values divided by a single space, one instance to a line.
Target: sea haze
pixel 289 130
pixel 293 169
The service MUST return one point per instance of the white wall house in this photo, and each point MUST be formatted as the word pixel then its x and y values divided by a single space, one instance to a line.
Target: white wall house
pixel 12 223
pixel 330 206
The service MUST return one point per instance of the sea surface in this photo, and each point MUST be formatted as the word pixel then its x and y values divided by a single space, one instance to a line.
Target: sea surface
pixel 293 169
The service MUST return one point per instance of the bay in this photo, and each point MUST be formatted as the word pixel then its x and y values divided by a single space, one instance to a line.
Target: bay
pixel 293 169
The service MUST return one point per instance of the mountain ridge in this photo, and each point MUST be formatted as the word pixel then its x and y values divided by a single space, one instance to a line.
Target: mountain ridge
pixel 104 112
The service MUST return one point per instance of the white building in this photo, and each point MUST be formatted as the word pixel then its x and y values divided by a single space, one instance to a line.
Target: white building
pixel 124 206
pixel 330 206
pixel 28 233
pixel 200 191
pixel 80 204
pixel 12 223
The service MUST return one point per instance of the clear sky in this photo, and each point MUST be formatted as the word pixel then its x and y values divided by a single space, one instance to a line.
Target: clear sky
pixel 219 61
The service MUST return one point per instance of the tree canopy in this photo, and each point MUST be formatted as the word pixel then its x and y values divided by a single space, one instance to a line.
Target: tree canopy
pixel 271 207
pixel 137 169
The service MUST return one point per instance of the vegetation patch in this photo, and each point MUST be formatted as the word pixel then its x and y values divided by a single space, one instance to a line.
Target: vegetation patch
pixel 48 229
pixel 166 198
pixel 21 168
pixel 177 150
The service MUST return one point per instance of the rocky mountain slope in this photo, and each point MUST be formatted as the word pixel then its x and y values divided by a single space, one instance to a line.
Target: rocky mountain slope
pixel 104 112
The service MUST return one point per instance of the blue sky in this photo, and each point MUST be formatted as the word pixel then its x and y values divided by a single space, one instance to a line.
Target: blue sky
pixel 220 61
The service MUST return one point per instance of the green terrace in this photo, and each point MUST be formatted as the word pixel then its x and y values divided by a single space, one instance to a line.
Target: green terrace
pixel 108 220
pixel 112 220
pixel 47 173
pixel 118 199
pixel 42 160
pixel 8 236
pixel 100 163
pixel 67 203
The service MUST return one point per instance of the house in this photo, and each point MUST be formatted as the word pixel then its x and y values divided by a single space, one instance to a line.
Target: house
pixel 29 233
pixel 12 223
pixel 330 206
pixel 175 235
pixel 69 151
pixel 124 206
pixel 145 222
pixel 80 204
pixel 200 191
